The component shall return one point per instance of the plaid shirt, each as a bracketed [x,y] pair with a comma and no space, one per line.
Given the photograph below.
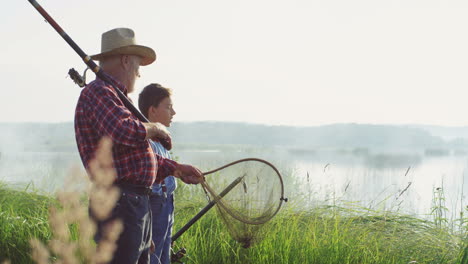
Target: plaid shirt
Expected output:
[100,112]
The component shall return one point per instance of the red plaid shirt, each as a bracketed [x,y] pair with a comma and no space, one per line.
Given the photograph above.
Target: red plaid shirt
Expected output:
[100,112]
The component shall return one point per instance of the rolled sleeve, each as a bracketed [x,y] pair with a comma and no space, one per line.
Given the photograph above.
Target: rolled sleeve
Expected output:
[166,167]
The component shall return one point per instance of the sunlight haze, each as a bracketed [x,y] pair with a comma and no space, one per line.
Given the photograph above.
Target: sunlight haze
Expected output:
[271,62]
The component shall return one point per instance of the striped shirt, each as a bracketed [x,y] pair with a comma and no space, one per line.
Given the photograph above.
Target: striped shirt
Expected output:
[99,113]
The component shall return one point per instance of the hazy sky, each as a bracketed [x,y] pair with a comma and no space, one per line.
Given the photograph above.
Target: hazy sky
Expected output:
[295,62]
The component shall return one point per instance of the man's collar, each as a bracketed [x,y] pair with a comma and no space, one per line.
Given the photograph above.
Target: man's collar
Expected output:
[116,83]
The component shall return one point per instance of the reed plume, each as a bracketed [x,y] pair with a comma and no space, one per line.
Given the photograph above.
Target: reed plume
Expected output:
[72,212]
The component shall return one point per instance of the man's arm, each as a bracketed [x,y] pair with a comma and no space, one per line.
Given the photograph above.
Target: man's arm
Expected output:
[115,120]
[187,173]
[156,130]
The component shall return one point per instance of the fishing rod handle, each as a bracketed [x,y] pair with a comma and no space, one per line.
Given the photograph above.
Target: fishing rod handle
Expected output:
[206,209]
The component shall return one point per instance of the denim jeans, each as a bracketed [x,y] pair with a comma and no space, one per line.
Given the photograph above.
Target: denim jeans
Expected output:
[134,242]
[163,219]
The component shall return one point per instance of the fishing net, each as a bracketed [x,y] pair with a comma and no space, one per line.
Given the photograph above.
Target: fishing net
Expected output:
[248,193]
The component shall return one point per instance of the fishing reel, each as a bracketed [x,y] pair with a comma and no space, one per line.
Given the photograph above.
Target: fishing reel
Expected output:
[177,256]
[80,80]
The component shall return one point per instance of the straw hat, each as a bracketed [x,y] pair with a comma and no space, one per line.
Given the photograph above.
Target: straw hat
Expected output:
[122,41]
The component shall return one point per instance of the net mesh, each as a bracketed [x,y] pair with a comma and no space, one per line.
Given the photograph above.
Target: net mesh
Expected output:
[248,193]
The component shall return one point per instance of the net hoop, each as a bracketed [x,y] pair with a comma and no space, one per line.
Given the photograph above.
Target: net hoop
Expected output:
[219,200]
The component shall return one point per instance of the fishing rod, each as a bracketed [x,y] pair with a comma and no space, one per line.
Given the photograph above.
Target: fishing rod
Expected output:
[88,61]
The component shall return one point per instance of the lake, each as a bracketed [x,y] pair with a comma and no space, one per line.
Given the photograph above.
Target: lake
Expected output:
[407,183]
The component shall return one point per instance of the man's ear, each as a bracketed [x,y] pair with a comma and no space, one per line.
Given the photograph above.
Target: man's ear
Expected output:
[124,61]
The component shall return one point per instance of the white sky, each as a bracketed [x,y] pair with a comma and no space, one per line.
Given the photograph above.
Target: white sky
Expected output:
[294,62]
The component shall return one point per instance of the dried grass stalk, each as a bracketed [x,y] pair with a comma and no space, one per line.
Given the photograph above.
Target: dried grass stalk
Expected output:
[74,211]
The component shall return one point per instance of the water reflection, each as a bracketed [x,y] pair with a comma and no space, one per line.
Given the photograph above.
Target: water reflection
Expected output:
[399,182]
[402,182]
[408,189]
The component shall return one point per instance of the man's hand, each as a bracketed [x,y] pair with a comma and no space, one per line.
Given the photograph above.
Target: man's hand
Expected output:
[156,130]
[188,174]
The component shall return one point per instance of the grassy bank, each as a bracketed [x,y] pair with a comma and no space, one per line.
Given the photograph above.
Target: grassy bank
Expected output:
[23,214]
[327,234]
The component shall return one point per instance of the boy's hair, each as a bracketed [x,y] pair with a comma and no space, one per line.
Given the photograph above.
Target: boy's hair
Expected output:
[152,95]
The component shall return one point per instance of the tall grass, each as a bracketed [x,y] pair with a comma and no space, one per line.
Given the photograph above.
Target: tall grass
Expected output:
[326,235]
[23,215]
[47,230]
[340,233]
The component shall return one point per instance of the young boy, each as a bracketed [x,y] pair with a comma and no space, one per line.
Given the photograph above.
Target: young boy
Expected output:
[156,104]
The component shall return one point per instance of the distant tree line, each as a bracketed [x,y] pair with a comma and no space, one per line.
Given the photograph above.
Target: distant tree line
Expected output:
[60,136]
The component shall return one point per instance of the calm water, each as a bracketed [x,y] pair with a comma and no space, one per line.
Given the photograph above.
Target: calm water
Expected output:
[405,183]
[46,171]
[412,189]
[401,183]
